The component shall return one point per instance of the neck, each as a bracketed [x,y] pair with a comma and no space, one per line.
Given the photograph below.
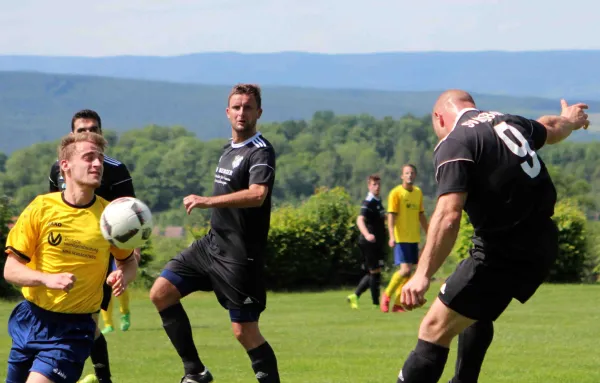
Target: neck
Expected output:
[77,195]
[242,136]
[407,186]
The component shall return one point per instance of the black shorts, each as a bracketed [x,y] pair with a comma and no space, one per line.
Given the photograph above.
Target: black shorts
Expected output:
[373,254]
[484,284]
[239,287]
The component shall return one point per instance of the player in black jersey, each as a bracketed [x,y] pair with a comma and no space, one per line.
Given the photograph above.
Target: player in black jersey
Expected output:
[116,183]
[487,164]
[229,259]
[372,242]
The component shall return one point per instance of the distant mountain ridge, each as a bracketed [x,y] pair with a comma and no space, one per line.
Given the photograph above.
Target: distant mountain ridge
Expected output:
[550,74]
[37,107]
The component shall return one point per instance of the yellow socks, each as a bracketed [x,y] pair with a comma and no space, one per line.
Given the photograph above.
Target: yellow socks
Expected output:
[397,282]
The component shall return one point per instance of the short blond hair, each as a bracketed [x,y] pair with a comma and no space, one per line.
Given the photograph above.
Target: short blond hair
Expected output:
[66,149]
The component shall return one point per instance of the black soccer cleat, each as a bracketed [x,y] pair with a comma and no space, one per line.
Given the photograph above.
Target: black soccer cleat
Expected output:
[205,377]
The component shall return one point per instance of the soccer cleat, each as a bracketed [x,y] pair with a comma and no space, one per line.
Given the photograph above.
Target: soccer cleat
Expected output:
[125,323]
[205,377]
[398,309]
[384,305]
[107,329]
[89,379]
[353,300]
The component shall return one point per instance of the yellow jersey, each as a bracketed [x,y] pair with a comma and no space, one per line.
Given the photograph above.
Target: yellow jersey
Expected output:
[407,205]
[53,236]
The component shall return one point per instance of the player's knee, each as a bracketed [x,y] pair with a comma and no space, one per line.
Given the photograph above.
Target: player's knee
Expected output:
[433,329]
[164,294]
[247,334]
[405,269]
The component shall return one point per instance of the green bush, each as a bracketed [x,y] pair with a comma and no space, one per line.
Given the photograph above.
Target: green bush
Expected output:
[312,245]
[7,290]
[573,264]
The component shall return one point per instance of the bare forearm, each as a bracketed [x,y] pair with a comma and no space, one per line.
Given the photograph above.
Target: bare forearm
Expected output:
[360,222]
[391,224]
[19,274]
[129,268]
[424,223]
[558,128]
[443,230]
[241,199]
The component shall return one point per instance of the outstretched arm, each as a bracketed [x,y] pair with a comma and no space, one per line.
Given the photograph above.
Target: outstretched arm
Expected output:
[560,127]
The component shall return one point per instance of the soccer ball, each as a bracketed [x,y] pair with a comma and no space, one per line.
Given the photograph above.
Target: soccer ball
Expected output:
[126,223]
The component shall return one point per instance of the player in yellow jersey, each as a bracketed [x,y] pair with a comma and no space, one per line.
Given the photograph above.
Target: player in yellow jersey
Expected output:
[405,215]
[57,254]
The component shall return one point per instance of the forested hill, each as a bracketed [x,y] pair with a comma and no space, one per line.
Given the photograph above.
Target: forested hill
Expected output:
[37,107]
[328,150]
[550,74]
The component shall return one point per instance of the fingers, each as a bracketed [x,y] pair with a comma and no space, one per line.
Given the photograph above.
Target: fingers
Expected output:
[563,104]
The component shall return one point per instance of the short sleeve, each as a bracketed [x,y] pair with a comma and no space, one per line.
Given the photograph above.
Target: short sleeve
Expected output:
[262,166]
[123,183]
[364,209]
[23,238]
[393,202]
[421,208]
[453,177]
[454,162]
[538,132]
[120,254]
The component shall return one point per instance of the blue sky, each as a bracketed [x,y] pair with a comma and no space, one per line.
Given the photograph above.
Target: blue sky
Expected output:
[172,27]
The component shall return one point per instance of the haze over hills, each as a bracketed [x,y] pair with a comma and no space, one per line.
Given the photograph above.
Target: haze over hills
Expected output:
[552,74]
[37,107]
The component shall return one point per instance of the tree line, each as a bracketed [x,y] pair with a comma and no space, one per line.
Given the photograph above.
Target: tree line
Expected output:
[168,163]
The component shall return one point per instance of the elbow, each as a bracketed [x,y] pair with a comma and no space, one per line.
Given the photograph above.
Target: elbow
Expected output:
[451,219]
[259,199]
[9,274]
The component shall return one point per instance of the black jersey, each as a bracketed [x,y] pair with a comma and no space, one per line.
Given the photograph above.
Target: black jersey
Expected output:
[241,233]
[116,180]
[492,156]
[373,211]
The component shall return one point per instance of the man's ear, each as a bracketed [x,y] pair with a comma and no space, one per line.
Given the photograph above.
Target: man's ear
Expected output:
[64,165]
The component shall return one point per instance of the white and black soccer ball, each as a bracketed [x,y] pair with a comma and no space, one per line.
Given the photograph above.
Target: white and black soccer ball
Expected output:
[126,223]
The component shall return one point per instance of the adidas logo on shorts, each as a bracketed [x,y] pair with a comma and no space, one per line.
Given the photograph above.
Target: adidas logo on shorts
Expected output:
[248,301]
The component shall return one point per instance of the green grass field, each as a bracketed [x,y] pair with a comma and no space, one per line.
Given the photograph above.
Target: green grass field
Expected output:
[318,339]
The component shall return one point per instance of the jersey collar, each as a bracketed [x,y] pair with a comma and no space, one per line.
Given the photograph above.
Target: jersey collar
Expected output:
[372,196]
[242,144]
[458,117]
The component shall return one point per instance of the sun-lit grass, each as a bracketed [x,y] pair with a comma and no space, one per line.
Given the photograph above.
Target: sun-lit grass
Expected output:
[318,339]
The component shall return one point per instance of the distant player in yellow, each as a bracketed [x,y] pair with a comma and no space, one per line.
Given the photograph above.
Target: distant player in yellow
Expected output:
[57,254]
[107,315]
[405,215]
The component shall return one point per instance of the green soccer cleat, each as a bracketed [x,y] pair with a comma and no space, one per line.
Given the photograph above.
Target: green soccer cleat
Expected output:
[353,300]
[89,379]
[107,329]
[125,323]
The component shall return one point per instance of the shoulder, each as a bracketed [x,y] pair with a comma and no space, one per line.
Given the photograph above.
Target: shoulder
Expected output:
[115,168]
[39,203]
[417,189]
[54,169]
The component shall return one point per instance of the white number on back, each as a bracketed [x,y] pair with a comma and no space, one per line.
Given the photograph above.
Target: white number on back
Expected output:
[520,150]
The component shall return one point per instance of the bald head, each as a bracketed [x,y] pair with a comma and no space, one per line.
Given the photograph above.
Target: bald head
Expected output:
[447,107]
[454,99]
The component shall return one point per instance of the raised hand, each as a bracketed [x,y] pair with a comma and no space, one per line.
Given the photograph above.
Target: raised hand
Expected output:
[575,114]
